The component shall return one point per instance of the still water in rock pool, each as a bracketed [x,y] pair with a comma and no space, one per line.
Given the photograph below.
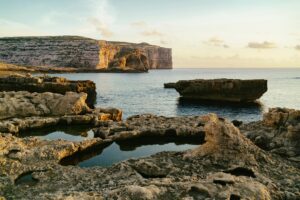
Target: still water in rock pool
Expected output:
[112,153]
[70,133]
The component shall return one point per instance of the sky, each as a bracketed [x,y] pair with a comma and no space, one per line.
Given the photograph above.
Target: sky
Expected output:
[201,33]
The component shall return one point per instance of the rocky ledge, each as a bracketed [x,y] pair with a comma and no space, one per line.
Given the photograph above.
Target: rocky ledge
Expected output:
[226,166]
[229,90]
[278,132]
[21,111]
[49,84]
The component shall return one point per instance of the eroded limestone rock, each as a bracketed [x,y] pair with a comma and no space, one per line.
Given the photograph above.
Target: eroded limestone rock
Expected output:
[49,84]
[24,111]
[25,104]
[279,132]
[231,90]
[243,171]
[148,125]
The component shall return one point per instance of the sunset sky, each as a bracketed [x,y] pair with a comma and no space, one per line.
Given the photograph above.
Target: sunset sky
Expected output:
[202,33]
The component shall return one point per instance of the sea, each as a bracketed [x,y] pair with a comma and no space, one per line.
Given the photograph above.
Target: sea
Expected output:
[145,93]
[139,93]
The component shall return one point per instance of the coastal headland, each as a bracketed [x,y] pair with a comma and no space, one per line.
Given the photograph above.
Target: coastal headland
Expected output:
[80,54]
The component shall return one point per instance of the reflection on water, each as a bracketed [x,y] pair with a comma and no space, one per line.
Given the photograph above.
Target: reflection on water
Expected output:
[116,152]
[70,133]
[26,179]
[145,93]
[242,111]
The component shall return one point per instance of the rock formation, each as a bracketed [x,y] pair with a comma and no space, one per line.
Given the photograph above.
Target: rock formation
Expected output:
[226,166]
[82,54]
[21,111]
[49,84]
[147,125]
[24,104]
[279,132]
[231,90]
[154,57]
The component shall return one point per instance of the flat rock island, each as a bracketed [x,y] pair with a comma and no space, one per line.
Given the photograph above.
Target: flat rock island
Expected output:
[226,90]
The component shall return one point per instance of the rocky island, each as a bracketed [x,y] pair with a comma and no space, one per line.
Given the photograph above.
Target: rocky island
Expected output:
[225,90]
[80,54]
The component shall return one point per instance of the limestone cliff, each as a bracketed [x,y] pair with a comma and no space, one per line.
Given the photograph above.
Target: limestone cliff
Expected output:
[83,53]
[157,57]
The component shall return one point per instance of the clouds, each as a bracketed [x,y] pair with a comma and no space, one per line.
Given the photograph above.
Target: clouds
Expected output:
[146,30]
[216,42]
[139,24]
[262,45]
[101,17]
[150,31]
[101,27]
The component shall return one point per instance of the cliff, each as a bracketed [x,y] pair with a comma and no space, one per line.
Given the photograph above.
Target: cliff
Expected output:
[81,53]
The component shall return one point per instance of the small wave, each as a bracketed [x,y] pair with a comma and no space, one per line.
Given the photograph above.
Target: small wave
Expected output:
[296,78]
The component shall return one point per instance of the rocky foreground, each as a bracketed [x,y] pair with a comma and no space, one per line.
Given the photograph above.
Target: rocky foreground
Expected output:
[226,166]
[258,160]
[226,90]
[24,111]
[80,54]
[41,84]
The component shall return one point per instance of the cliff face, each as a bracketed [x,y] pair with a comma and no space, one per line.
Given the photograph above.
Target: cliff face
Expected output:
[157,57]
[80,52]
[66,51]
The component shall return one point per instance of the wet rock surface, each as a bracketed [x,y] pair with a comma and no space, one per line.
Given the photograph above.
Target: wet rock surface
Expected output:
[226,166]
[227,90]
[42,84]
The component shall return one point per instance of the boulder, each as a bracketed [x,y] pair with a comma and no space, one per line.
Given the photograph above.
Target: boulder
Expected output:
[25,104]
[278,132]
[49,84]
[228,90]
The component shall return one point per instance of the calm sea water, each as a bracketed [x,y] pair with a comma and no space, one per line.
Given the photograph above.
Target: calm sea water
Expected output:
[144,93]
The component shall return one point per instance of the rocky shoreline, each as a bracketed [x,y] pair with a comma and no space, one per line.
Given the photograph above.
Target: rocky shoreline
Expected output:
[227,165]
[10,69]
[49,84]
[257,160]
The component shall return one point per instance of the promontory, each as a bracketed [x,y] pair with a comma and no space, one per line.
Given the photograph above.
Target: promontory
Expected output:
[80,54]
